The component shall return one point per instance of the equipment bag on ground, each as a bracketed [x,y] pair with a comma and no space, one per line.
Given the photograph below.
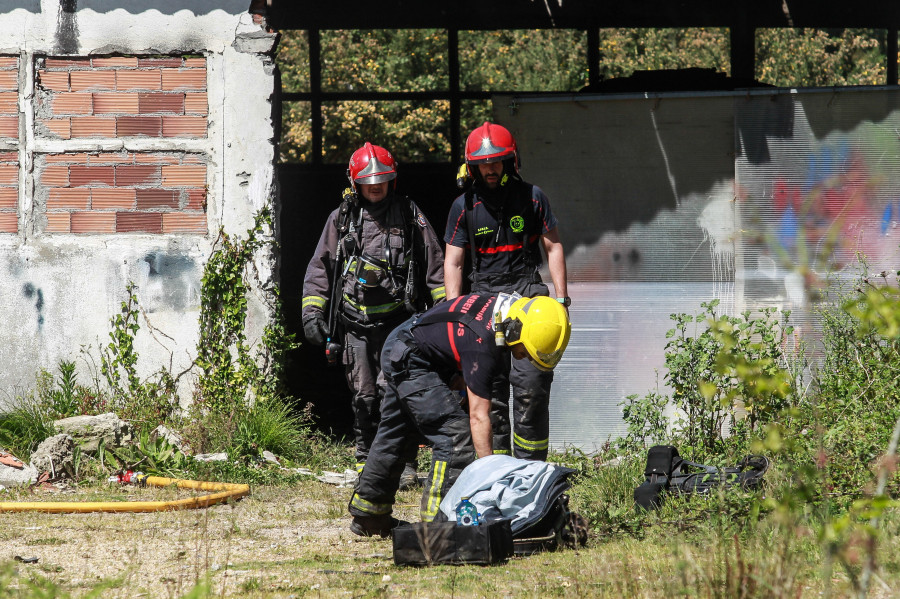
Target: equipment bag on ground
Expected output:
[666,472]
[429,543]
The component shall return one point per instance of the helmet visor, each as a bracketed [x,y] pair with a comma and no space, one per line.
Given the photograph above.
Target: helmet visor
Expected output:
[373,179]
[548,361]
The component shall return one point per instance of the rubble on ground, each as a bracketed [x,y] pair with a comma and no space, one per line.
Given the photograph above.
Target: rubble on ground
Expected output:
[89,432]
[55,455]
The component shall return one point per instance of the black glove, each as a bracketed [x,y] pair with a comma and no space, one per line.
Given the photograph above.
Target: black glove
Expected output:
[315,327]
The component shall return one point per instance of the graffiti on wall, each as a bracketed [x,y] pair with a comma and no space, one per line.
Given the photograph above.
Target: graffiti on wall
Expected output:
[822,206]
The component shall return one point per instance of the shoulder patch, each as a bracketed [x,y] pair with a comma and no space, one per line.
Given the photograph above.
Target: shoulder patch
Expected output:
[420,220]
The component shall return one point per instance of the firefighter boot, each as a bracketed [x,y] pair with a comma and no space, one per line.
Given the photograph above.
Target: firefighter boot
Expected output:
[369,526]
[410,478]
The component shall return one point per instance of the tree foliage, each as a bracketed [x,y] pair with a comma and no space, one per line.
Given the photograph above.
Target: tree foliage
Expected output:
[815,57]
[417,60]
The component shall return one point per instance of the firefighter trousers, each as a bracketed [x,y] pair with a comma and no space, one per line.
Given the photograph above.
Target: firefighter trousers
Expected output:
[362,367]
[416,402]
[530,429]
[530,438]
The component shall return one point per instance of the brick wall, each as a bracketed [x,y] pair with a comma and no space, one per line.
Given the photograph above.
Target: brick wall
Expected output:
[79,98]
[109,192]
[9,135]
[9,191]
[121,96]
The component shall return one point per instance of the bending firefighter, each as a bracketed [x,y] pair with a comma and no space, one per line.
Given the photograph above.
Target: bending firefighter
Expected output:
[501,222]
[378,260]
[454,346]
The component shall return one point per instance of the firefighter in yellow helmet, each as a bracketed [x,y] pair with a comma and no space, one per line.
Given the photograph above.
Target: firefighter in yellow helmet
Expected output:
[454,346]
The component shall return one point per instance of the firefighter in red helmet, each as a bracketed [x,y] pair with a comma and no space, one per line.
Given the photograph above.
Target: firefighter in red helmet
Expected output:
[501,222]
[378,260]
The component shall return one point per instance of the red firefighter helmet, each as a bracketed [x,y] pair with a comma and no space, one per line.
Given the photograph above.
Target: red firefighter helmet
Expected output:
[371,164]
[491,143]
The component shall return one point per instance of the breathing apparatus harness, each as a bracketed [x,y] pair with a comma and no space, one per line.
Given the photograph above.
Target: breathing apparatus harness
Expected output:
[523,193]
[349,256]
[467,310]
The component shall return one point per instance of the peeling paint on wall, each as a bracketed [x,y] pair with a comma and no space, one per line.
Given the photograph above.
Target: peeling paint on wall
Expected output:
[169,282]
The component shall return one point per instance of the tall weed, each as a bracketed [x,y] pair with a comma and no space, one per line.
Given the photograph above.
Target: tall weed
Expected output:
[24,426]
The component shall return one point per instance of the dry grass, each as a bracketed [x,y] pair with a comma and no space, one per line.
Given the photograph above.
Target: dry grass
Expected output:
[294,542]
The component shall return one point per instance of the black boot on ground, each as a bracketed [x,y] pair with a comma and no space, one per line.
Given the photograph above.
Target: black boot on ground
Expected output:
[410,478]
[370,526]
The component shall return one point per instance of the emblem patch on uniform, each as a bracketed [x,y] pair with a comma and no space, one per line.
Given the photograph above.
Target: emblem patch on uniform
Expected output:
[420,219]
[517,224]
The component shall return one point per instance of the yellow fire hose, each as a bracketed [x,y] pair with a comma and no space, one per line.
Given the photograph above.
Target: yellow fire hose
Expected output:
[224,491]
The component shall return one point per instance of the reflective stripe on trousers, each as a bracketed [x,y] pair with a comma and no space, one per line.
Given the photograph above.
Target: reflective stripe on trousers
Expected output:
[415,399]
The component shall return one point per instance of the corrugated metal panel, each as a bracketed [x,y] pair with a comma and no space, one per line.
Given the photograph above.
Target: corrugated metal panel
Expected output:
[618,332]
[671,200]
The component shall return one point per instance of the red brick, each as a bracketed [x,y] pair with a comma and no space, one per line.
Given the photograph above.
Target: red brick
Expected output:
[9,174]
[128,80]
[82,80]
[9,102]
[162,102]
[111,158]
[9,156]
[181,222]
[127,176]
[68,197]
[9,222]
[196,103]
[112,197]
[183,176]
[55,176]
[168,61]
[58,127]
[55,81]
[91,175]
[9,126]
[93,126]
[9,80]
[150,126]
[58,222]
[72,103]
[115,62]
[9,197]
[157,198]
[115,103]
[195,63]
[77,158]
[57,63]
[93,222]
[143,222]
[156,159]
[184,126]
[183,79]
[8,61]
[196,199]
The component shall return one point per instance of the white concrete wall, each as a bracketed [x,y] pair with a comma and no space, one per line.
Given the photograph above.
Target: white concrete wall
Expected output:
[59,291]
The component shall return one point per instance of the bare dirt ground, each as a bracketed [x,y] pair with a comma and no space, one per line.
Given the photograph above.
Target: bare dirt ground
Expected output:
[277,540]
[280,542]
